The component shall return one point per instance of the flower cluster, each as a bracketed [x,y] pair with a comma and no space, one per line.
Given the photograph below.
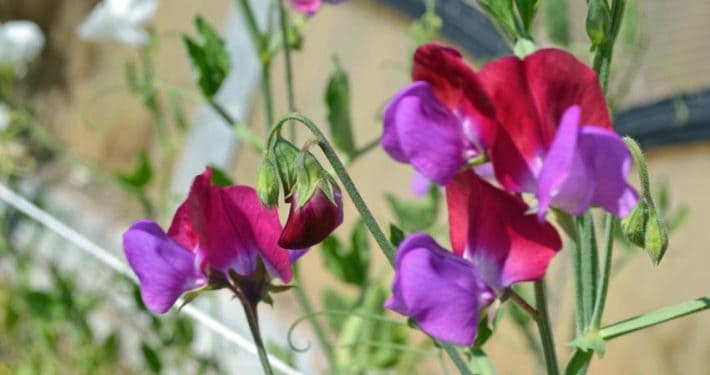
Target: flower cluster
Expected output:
[543,124]
[219,237]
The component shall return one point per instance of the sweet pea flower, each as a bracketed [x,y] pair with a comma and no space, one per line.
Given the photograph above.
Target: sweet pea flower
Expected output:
[310,7]
[216,232]
[495,245]
[311,223]
[20,43]
[443,119]
[119,20]
[556,138]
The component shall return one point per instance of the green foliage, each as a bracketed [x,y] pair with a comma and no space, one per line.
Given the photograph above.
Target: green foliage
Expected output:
[337,101]
[267,183]
[396,235]
[425,28]
[502,12]
[526,11]
[140,176]
[598,21]
[209,57]
[556,15]
[349,264]
[416,216]
[220,177]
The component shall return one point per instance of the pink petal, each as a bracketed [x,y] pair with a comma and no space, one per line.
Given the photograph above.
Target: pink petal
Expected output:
[492,229]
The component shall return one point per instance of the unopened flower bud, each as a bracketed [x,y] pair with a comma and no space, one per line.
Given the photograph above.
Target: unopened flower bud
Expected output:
[634,226]
[598,21]
[656,239]
[267,183]
[316,207]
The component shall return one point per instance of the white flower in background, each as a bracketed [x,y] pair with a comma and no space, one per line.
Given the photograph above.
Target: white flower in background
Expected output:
[20,43]
[5,116]
[119,20]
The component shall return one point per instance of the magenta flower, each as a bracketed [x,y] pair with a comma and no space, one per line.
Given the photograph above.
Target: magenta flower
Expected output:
[311,223]
[555,138]
[496,244]
[442,120]
[512,112]
[310,7]
[215,231]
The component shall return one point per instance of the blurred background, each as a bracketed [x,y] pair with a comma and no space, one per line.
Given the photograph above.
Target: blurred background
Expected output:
[79,145]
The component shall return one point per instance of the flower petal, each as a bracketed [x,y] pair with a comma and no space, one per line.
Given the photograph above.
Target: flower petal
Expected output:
[308,7]
[519,144]
[234,228]
[566,181]
[181,228]
[164,268]
[443,293]
[419,130]
[310,224]
[557,81]
[456,85]
[611,159]
[492,229]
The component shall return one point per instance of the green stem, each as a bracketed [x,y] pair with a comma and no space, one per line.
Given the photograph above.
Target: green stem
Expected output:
[654,317]
[589,265]
[603,288]
[253,319]
[456,359]
[289,66]
[257,38]
[242,131]
[380,237]
[345,179]
[266,93]
[317,328]
[543,324]
[605,50]
[576,250]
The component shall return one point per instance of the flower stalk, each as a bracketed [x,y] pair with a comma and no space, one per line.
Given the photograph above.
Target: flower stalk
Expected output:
[543,324]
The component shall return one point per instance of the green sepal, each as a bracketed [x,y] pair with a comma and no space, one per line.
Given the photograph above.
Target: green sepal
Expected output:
[308,177]
[284,155]
[591,340]
[267,183]
[190,295]
[598,21]
[634,226]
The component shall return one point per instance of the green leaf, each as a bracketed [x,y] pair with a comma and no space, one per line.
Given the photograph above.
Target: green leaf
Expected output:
[220,177]
[139,177]
[396,235]
[556,19]
[151,358]
[349,265]
[527,10]
[425,28]
[337,100]
[209,57]
[654,317]
[502,12]
[481,364]
[335,300]
[184,332]
[416,216]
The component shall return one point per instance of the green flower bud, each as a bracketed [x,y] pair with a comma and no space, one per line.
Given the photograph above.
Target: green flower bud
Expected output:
[634,226]
[656,238]
[284,155]
[598,21]
[267,183]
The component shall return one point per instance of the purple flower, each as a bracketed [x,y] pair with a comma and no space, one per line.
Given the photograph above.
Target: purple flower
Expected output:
[217,230]
[442,119]
[311,223]
[556,139]
[496,244]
